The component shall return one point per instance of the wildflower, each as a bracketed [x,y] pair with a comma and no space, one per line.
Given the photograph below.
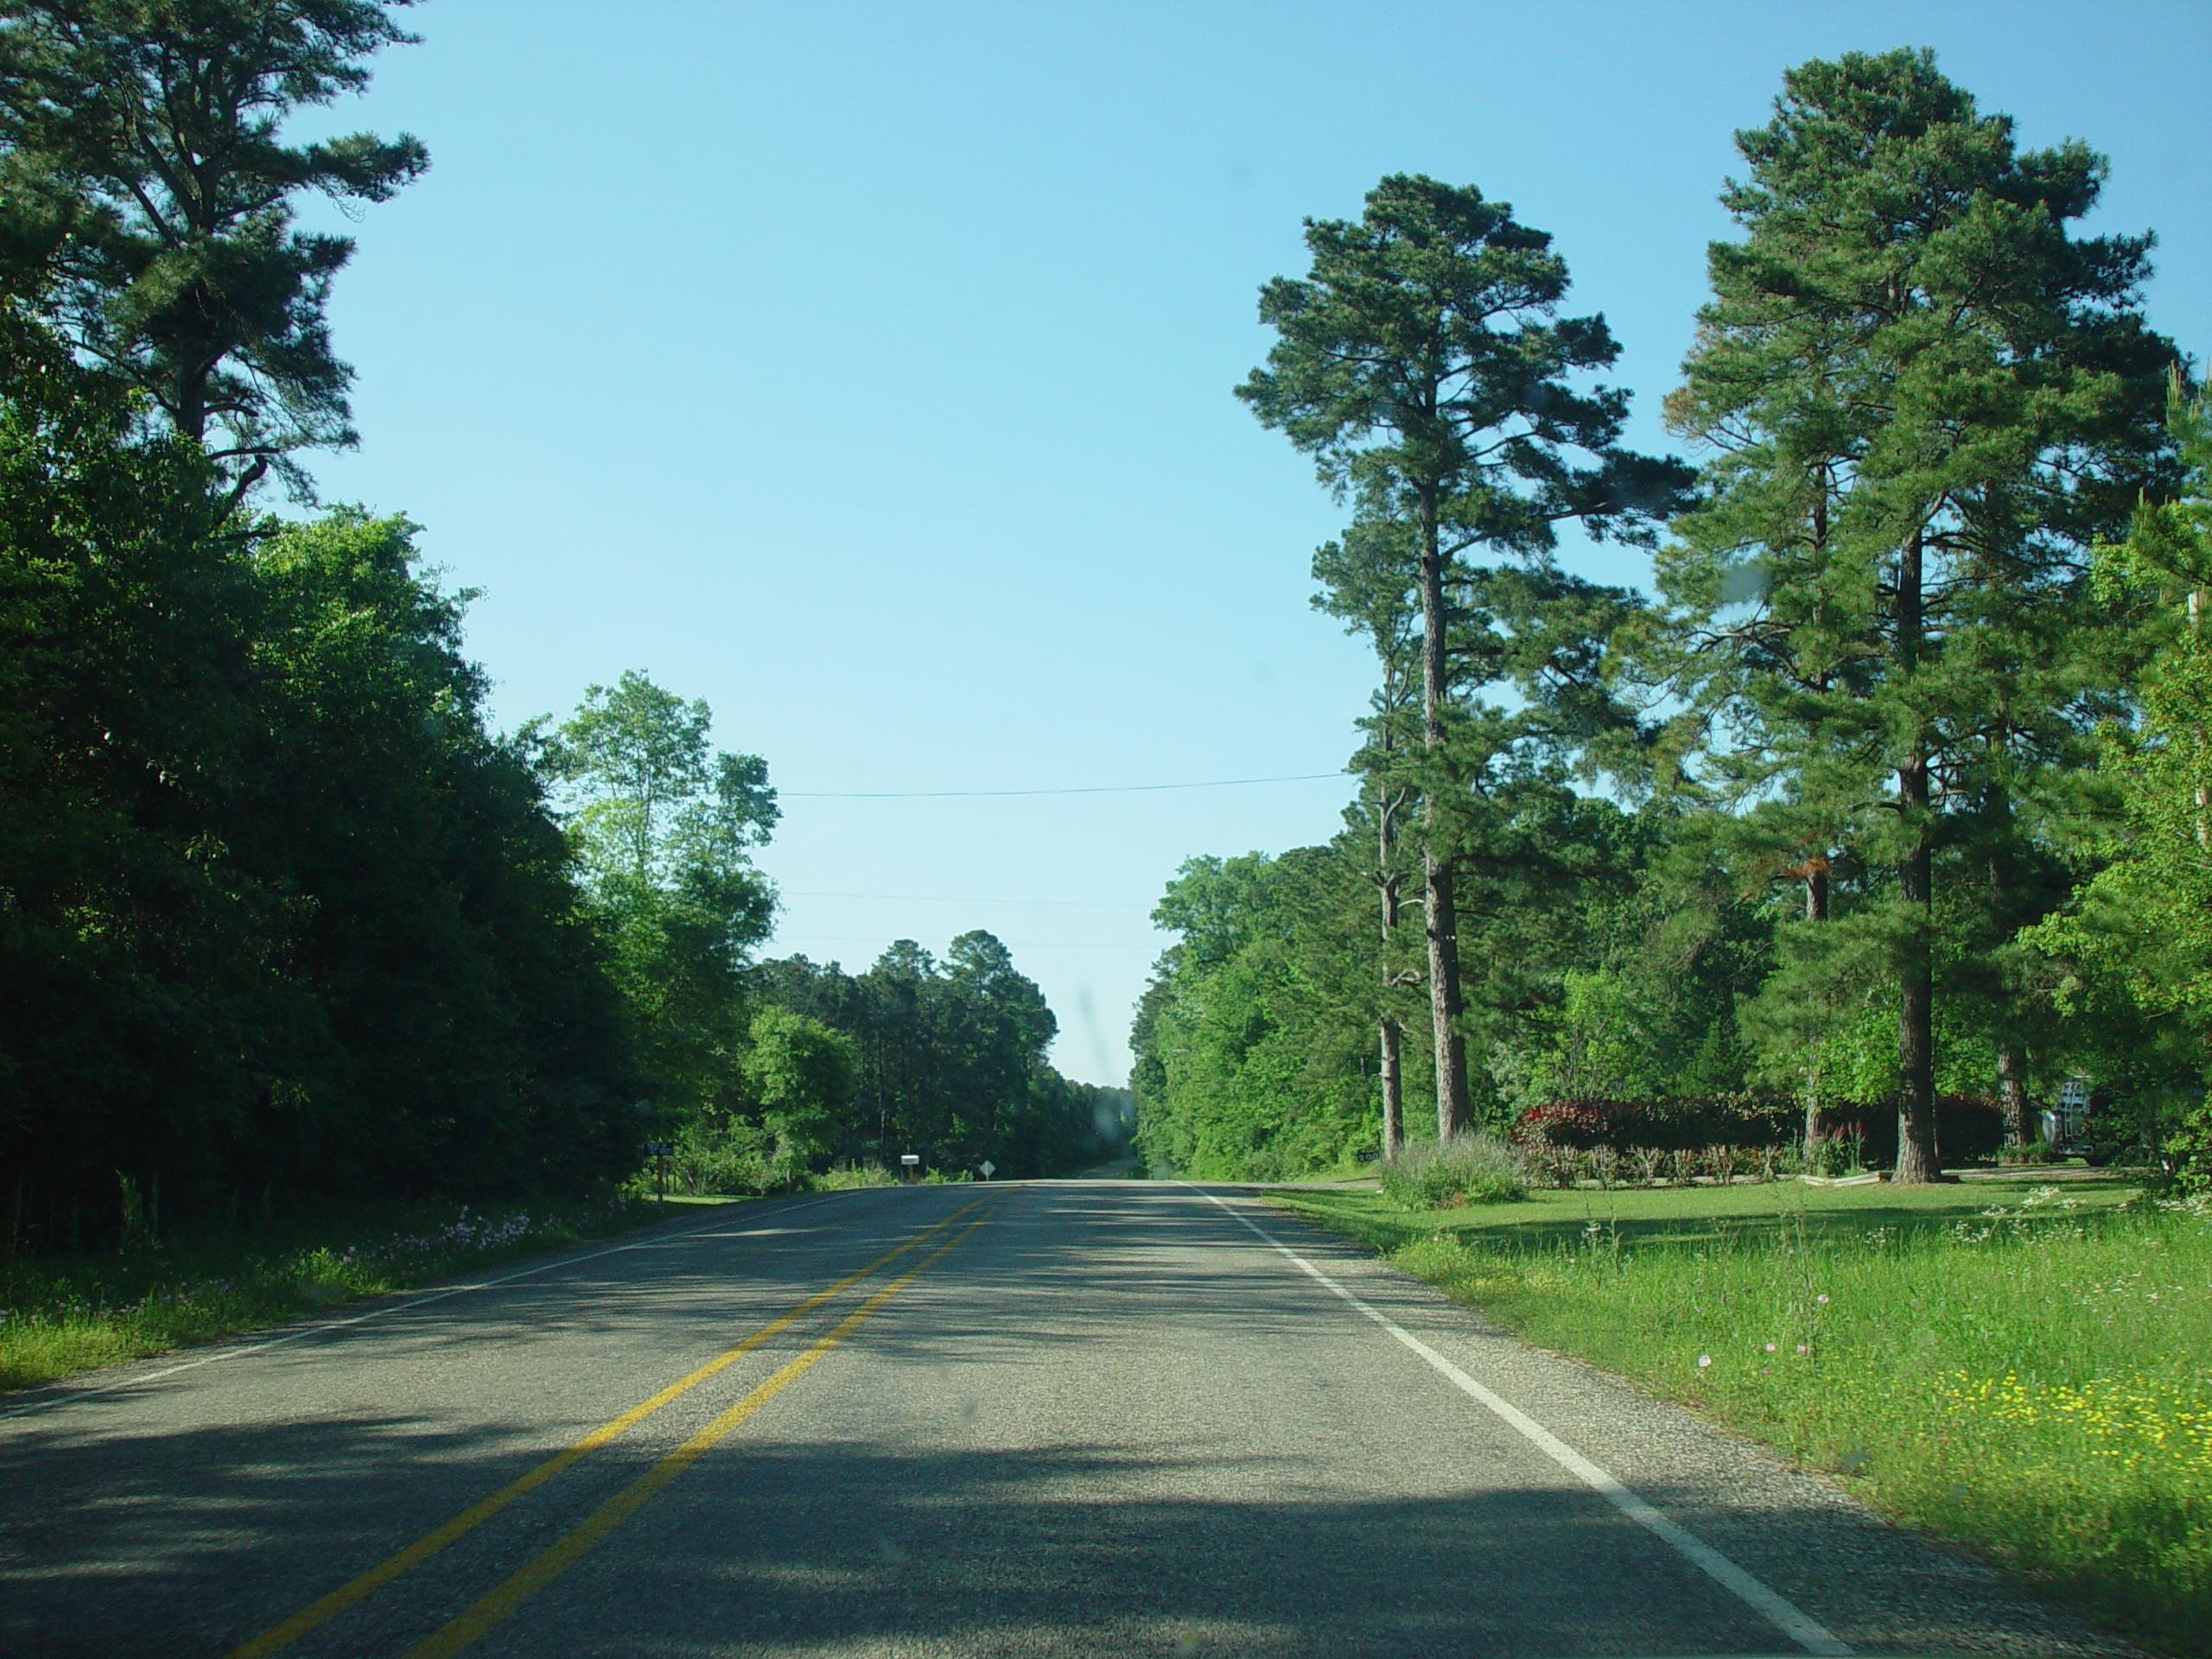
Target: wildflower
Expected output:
[1822,1297]
[1800,1347]
[1704,1360]
[1769,1347]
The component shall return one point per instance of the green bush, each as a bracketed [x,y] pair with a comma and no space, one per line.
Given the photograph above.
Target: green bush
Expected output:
[1469,1169]
[845,1178]
[715,1154]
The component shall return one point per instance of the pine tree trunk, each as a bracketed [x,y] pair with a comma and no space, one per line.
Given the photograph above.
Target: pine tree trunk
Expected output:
[2012,1092]
[2203,794]
[1442,927]
[1817,910]
[1393,1103]
[1442,921]
[1393,1096]
[1917,1154]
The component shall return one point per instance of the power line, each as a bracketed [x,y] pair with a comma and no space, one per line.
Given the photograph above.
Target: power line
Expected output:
[1002,794]
[941,899]
[801,939]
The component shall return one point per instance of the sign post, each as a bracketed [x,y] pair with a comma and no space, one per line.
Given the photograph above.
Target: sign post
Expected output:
[912,1164]
[660,1152]
[989,1169]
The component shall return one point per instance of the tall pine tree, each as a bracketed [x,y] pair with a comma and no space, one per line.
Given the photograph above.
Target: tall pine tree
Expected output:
[1423,363]
[1923,398]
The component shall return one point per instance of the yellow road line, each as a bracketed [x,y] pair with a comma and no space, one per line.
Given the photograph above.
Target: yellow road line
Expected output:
[430,1543]
[569,1549]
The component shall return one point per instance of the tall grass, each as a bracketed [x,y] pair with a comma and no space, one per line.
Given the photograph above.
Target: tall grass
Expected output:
[1473,1168]
[60,1314]
[2034,1381]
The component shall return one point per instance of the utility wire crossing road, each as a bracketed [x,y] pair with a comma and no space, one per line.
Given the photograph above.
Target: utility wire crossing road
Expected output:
[1094,1418]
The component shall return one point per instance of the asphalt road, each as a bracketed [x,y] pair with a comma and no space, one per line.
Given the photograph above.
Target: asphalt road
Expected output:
[1081,1418]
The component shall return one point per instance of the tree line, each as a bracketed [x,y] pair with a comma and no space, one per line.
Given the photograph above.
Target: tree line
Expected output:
[768,1072]
[1894,785]
[282,917]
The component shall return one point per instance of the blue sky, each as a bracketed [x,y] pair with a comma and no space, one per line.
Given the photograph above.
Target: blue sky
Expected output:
[866,369]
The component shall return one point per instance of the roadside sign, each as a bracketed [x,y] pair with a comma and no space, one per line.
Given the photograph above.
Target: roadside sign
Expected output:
[989,1169]
[2071,1120]
[912,1163]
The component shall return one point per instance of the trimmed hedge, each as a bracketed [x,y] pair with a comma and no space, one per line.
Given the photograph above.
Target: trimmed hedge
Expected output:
[1969,1127]
[1767,1119]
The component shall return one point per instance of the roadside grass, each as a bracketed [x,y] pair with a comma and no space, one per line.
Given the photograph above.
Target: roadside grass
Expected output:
[2023,1369]
[60,1314]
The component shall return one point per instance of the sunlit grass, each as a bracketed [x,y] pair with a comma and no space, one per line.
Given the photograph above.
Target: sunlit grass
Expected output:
[60,1315]
[2028,1371]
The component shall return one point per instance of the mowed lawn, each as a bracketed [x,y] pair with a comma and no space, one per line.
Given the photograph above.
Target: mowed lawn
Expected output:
[2022,1365]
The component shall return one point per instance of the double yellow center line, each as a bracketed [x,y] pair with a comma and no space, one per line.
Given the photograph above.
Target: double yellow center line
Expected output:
[572,1546]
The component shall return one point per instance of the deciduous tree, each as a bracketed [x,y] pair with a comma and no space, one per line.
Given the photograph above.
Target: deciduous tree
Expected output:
[664,825]
[2144,921]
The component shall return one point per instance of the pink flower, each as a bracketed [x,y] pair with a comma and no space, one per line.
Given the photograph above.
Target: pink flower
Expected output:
[1800,1347]
[1769,1347]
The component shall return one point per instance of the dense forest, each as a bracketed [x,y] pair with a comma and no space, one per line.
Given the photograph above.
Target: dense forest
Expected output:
[280,916]
[1883,809]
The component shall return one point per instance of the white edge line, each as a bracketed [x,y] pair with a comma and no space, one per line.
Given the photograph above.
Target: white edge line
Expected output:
[233,1352]
[1808,1632]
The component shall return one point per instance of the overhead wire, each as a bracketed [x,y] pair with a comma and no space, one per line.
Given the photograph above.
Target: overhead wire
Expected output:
[1003,794]
[948,899]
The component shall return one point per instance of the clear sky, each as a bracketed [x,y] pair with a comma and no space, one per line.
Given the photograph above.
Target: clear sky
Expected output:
[866,369]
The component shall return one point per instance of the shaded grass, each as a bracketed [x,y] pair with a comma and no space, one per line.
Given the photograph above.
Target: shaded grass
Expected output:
[61,1314]
[1687,1215]
[2025,1370]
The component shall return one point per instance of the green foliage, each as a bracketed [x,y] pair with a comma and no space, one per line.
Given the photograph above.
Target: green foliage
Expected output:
[2143,926]
[64,1312]
[654,802]
[277,912]
[1874,701]
[443,923]
[1422,364]
[149,201]
[259,842]
[1583,958]
[1595,1046]
[804,1074]
[664,825]
[1456,1174]
[1254,1061]
[1922,399]
[948,1063]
